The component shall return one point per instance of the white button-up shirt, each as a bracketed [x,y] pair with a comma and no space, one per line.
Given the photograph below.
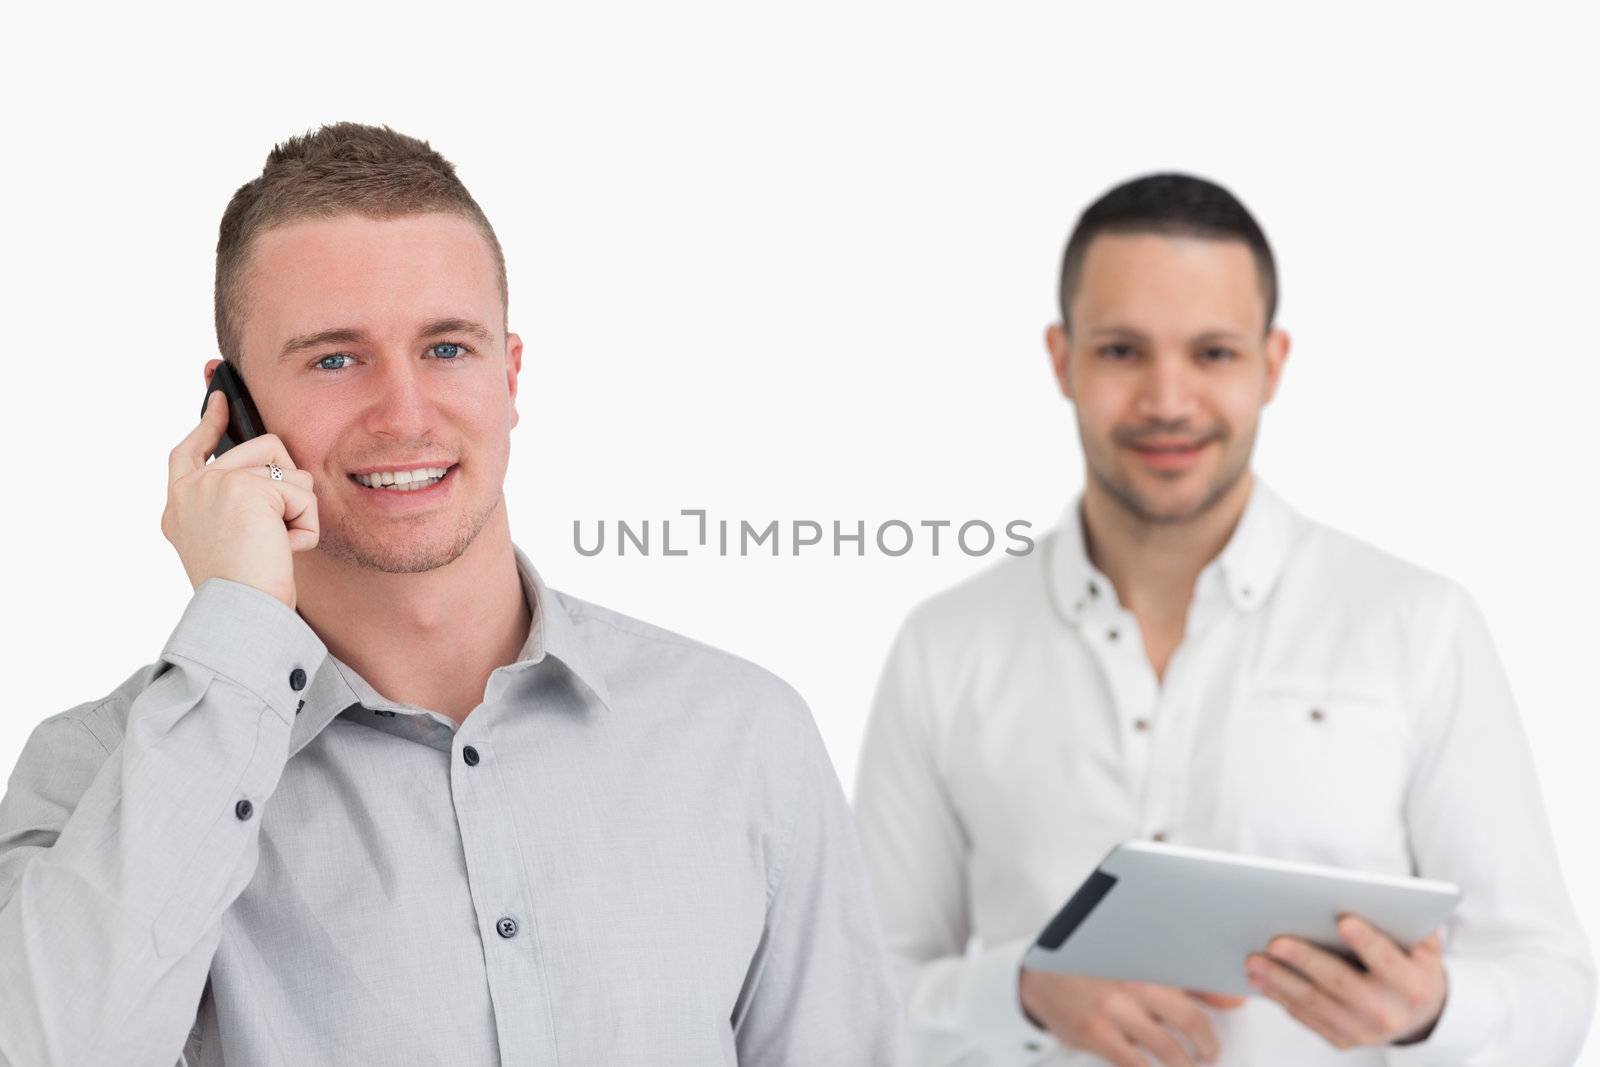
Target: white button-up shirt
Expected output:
[1328,703]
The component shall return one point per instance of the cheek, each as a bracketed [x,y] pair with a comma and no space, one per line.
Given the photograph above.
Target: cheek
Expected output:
[1237,403]
[309,451]
[1104,400]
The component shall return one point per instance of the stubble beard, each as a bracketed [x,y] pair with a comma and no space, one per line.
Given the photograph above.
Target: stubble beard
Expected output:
[1128,497]
[385,547]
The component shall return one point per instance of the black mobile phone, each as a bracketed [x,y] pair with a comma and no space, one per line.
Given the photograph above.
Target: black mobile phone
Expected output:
[244,421]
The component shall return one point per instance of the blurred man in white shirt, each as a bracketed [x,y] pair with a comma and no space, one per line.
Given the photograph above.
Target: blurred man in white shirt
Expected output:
[1188,659]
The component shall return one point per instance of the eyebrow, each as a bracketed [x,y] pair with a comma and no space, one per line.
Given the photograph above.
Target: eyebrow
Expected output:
[1129,331]
[350,335]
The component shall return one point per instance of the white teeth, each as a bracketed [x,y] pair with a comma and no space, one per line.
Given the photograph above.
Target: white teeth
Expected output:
[407,487]
[419,479]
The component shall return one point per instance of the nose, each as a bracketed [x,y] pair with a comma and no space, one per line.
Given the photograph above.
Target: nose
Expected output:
[401,404]
[1167,388]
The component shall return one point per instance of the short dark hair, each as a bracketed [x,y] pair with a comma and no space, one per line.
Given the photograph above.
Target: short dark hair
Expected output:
[342,167]
[1173,204]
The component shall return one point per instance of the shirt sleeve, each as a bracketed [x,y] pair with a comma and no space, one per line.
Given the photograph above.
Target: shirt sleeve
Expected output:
[819,989]
[1520,978]
[961,1000]
[118,860]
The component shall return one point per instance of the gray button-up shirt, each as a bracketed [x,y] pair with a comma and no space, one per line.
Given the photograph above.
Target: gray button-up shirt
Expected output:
[634,851]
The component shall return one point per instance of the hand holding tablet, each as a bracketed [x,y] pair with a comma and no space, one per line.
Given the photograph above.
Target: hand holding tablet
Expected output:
[1154,915]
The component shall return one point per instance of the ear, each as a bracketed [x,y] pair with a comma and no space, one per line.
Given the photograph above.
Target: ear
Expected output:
[1060,346]
[513,368]
[210,369]
[1277,352]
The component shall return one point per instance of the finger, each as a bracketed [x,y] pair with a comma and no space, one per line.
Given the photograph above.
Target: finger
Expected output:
[1385,960]
[1432,945]
[1338,1039]
[192,452]
[1106,1040]
[291,475]
[1175,1008]
[256,452]
[296,502]
[1335,977]
[1218,1000]
[299,514]
[1303,1000]
[1117,1050]
[1138,1024]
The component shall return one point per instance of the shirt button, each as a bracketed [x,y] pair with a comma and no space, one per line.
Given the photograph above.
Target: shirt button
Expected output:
[1112,635]
[1141,725]
[1094,589]
[297,679]
[1159,835]
[506,927]
[243,809]
[470,754]
[1317,715]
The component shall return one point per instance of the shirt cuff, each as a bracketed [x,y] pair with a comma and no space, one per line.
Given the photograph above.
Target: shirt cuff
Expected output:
[1474,1012]
[996,1007]
[251,638]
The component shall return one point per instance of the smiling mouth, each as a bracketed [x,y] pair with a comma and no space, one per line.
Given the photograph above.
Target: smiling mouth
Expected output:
[1170,450]
[413,486]
[1170,459]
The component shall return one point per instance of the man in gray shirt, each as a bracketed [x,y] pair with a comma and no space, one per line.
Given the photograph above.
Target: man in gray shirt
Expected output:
[385,798]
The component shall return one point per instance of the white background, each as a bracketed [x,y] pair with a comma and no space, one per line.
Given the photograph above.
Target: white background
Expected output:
[797,264]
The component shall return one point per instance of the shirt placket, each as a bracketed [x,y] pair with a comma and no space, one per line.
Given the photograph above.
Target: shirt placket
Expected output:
[1112,634]
[1166,781]
[513,961]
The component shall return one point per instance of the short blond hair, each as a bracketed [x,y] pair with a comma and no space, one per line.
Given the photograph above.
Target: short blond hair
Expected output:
[345,167]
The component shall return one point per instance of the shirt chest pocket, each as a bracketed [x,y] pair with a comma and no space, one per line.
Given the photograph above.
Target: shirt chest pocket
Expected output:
[1317,772]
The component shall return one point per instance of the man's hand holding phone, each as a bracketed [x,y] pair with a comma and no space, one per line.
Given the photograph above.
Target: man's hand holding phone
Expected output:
[230,518]
[1125,1023]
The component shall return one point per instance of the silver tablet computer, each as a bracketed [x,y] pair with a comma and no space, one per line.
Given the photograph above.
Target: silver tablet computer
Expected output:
[1188,917]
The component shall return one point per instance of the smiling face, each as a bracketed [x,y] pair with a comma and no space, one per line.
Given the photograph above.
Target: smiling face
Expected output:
[375,344]
[1168,364]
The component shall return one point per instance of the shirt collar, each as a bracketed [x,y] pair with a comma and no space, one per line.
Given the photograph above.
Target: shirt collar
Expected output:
[1249,564]
[337,689]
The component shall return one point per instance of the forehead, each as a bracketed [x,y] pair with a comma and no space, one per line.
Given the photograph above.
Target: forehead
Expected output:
[371,273]
[1159,281]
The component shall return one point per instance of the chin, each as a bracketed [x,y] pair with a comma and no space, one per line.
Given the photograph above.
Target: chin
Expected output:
[1166,500]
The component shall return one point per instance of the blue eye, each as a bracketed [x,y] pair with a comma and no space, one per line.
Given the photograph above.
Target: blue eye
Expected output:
[444,352]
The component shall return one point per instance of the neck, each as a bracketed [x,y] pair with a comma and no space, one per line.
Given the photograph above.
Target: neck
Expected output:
[399,630]
[1154,566]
